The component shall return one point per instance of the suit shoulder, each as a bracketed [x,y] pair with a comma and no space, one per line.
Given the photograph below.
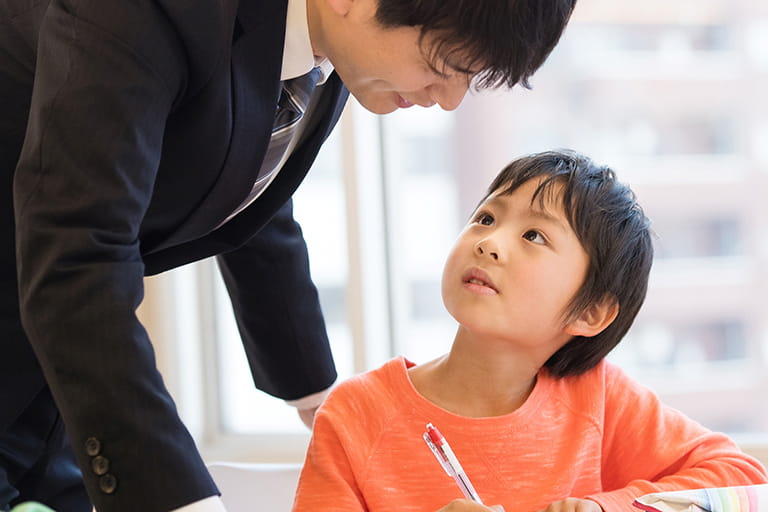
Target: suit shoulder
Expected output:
[204,27]
[172,35]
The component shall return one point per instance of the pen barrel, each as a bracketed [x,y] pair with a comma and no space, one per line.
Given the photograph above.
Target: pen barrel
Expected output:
[460,476]
[466,487]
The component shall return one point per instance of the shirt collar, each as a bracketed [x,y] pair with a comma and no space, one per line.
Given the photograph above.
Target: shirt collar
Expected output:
[298,58]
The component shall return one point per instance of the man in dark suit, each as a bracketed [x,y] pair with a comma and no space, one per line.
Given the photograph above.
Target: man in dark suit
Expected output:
[137,136]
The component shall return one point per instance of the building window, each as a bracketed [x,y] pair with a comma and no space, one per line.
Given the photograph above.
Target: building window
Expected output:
[671,98]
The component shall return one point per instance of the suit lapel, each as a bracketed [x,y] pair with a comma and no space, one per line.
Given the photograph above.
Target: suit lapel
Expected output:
[255,80]
[241,228]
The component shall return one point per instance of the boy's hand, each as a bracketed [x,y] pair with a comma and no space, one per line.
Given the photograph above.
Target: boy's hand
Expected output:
[573,505]
[469,506]
[307,416]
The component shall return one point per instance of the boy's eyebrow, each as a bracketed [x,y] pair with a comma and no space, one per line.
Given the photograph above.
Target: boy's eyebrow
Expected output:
[533,211]
[547,217]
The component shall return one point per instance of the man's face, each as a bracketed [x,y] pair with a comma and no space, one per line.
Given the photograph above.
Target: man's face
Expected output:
[386,68]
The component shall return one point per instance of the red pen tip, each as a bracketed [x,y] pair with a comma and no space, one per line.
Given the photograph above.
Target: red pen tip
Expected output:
[434,435]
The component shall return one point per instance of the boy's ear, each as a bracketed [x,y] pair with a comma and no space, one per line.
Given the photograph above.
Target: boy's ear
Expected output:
[595,318]
[340,7]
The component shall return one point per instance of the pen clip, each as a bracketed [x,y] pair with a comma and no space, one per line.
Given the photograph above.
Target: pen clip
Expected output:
[439,455]
[447,459]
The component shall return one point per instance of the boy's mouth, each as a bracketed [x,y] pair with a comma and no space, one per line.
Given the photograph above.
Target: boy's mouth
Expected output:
[477,277]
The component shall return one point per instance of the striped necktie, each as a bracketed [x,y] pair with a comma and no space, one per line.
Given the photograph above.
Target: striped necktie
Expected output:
[291,108]
[293,103]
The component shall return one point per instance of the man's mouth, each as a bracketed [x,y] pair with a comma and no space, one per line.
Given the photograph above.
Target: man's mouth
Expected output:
[403,103]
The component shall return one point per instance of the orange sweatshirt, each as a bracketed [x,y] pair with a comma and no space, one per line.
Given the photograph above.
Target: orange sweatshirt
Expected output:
[600,435]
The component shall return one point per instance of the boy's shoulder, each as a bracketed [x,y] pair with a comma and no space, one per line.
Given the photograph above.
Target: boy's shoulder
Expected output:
[605,385]
[374,388]
[602,373]
[591,390]
[362,408]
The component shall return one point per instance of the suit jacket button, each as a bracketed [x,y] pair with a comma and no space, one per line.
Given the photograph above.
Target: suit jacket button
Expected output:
[108,483]
[92,446]
[100,465]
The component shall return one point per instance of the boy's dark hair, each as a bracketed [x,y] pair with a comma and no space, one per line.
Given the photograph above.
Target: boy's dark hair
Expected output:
[614,232]
[507,40]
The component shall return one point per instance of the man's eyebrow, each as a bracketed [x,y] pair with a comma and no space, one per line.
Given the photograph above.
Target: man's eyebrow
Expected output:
[440,64]
[459,68]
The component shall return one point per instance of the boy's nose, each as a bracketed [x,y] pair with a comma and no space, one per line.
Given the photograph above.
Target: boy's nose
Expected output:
[487,248]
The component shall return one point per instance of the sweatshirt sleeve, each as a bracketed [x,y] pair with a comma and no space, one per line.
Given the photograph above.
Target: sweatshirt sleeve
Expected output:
[649,447]
[328,480]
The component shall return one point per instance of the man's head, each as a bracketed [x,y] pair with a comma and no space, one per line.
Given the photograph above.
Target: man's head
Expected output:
[396,53]
[612,229]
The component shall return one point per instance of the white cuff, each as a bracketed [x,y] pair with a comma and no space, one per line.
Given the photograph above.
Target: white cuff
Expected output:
[210,504]
[311,401]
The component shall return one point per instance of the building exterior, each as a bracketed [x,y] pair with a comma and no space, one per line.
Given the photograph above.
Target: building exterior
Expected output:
[672,96]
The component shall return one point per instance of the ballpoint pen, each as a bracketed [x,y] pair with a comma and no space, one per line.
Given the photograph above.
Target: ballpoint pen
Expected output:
[449,462]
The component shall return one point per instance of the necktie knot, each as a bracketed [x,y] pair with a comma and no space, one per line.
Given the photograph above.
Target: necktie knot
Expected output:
[294,99]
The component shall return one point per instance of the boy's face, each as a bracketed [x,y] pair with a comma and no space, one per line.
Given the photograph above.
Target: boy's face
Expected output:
[514,270]
[385,68]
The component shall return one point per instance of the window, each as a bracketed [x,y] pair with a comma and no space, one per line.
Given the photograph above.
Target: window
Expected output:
[671,96]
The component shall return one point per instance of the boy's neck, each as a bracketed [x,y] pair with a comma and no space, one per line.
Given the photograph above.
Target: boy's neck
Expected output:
[474,384]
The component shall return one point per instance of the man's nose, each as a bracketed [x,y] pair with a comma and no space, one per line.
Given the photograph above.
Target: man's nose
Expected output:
[449,94]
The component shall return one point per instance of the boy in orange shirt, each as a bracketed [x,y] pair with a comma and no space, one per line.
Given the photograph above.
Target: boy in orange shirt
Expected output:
[544,281]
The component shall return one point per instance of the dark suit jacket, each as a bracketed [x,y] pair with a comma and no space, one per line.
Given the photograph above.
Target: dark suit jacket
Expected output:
[146,128]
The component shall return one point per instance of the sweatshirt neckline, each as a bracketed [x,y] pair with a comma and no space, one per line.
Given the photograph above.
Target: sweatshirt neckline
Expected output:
[398,374]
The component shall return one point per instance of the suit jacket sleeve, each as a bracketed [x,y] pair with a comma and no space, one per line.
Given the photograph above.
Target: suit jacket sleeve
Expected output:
[107,75]
[277,310]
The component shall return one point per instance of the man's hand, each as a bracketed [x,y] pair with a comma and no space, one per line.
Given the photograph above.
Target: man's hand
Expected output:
[308,416]
[573,505]
[469,506]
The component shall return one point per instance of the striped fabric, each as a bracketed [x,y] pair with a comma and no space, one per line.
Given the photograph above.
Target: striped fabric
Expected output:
[749,498]
[294,99]
[290,110]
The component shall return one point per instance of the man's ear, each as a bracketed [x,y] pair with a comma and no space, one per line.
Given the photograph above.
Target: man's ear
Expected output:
[593,320]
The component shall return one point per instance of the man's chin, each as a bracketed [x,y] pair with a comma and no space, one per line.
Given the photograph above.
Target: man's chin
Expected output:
[383,104]
[379,108]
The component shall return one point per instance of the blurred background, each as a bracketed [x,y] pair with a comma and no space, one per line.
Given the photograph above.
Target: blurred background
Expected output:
[671,95]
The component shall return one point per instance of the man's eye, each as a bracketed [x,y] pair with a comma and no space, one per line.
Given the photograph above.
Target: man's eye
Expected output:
[534,236]
[442,75]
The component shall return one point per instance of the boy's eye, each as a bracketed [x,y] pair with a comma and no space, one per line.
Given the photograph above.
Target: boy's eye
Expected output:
[534,236]
[484,219]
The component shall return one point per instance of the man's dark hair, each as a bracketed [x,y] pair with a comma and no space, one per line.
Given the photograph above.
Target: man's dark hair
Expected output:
[614,232]
[505,40]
